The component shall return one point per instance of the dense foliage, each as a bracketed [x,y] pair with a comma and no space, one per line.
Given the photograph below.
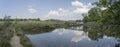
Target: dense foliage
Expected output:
[109,16]
[5,32]
[101,22]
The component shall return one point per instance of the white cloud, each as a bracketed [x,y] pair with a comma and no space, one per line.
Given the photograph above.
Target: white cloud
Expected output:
[60,13]
[70,14]
[32,10]
[81,8]
[52,13]
[77,4]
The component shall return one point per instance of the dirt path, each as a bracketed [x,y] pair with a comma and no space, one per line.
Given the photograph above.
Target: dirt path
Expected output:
[15,41]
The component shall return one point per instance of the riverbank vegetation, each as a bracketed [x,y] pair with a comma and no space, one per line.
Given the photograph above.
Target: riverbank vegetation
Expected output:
[23,39]
[5,33]
[104,19]
[106,12]
[28,26]
[35,25]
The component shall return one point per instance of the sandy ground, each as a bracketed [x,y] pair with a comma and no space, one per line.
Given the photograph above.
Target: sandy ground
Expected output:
[15,41]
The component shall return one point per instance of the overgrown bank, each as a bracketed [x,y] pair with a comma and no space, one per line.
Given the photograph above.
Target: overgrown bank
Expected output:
[23,39]
[27,27]
[5,36]
[39,26]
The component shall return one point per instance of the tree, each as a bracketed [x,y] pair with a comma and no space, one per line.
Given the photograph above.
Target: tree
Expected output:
[94,15]
[7,21]
[110,15]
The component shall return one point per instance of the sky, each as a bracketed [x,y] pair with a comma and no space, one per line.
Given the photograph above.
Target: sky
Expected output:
[45,9]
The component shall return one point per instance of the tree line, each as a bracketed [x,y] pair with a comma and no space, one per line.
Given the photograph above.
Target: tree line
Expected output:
[19,19]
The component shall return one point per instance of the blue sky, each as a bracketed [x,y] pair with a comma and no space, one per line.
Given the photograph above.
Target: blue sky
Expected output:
[45,9]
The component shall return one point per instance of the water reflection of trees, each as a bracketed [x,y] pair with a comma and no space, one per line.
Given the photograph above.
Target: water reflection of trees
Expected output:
[98,32]
[39,30]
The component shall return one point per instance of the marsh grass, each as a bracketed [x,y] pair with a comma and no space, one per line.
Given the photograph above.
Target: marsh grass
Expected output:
[39,25]
[23,27]
[5,36]
[23,39]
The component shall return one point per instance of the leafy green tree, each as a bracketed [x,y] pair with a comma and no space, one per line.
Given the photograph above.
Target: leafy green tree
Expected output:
[108,16]
[94,15]
[111,15]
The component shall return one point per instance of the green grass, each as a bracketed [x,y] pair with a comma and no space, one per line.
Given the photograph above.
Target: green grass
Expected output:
[23,27]
[1,25]
[36,26]
[39,25]
[23,39]
[5,36]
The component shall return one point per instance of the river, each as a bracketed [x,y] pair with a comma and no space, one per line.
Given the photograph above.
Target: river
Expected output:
[62,37]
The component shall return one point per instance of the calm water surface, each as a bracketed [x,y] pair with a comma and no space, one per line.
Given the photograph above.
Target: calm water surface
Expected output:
[70,38]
